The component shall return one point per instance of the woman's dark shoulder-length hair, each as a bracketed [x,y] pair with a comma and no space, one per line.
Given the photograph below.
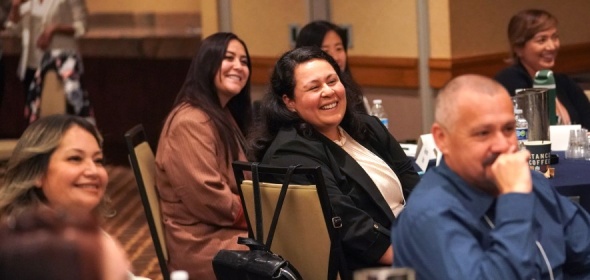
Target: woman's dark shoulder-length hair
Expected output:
[274,113]
[313,33]
[199,88]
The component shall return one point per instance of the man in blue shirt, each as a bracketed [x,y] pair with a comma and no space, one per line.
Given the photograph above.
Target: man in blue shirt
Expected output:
[482,214]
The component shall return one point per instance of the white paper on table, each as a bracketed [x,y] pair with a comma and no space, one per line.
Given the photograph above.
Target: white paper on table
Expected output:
[426,151]
[409,149]
[560,135]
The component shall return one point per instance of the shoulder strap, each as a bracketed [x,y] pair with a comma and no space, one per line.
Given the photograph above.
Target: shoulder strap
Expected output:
[337,260]
[257,206]
[281,199]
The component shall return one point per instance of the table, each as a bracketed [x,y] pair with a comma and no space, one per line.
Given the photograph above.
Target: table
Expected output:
[572,178]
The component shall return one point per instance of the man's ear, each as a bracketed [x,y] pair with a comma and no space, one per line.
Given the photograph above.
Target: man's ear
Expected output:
[439,134]
[289,103]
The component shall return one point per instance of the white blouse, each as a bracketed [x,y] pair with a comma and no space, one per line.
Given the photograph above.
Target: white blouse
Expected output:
[384,178]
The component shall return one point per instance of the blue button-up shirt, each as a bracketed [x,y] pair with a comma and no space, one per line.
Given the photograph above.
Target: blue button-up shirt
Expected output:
[450,230]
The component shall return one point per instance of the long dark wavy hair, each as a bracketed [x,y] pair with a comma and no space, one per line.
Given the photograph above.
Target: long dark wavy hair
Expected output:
[274,113]
[313,33]
[199,89]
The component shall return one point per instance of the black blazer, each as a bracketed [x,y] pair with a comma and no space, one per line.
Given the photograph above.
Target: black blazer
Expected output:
[366,216]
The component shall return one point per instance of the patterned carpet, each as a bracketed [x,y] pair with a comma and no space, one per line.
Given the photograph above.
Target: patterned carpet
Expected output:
[128,225]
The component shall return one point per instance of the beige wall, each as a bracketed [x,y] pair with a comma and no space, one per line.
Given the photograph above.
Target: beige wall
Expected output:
[384,28]
[209,18]
[379,27]
[440,30]
[387,28]
[479,26]
[140,6]
[264,24]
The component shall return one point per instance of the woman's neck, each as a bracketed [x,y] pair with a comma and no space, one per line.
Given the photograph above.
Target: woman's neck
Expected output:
[529,70]
[332,134]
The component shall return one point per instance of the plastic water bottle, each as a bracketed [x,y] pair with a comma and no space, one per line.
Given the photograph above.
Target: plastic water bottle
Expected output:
[179,275]
[378,111]
[522,128]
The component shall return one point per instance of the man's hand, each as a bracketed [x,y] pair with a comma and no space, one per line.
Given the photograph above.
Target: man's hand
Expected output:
[511,172]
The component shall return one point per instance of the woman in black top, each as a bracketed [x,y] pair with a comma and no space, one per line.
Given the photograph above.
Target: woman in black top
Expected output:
[534,43]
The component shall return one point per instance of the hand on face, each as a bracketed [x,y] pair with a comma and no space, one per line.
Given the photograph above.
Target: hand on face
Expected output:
[511,173]
[479,143]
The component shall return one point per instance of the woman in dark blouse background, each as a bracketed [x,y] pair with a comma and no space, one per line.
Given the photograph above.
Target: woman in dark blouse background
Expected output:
[534,43]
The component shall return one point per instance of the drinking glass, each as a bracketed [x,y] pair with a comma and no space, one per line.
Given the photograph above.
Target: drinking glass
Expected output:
[577,144]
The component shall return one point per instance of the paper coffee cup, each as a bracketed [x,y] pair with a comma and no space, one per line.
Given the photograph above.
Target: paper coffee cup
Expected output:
[540,154]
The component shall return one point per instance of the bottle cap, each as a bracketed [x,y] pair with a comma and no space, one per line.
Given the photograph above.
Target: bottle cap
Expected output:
[377,101]
[179,275]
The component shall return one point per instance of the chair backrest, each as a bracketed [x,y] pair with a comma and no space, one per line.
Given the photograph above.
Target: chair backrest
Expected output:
[53,98]
[304,232]
[143,164]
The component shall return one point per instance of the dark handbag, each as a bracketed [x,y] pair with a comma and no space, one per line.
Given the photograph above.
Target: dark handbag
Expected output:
[259,262]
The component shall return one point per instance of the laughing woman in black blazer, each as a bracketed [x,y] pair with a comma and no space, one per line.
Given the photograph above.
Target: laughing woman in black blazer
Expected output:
[307,120]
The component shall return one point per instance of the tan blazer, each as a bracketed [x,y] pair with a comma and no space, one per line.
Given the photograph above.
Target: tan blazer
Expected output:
[201,208]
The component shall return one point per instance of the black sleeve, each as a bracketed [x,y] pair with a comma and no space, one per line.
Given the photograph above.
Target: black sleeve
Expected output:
[362,237]
[578,99]
[513,78]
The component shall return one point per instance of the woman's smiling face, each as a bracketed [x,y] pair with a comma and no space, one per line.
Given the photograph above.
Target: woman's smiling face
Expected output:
[539,53]
[75,179]
[233,73]
[319,96]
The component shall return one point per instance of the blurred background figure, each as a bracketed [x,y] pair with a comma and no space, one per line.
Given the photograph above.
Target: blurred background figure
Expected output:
[333,40]
[203,134]
[48,29]
[51,245]
[4,10]
[534,45]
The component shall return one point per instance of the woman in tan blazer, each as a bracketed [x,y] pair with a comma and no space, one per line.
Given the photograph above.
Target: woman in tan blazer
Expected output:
[202,136]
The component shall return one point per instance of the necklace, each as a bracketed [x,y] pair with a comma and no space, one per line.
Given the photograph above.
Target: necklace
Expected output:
[341,138]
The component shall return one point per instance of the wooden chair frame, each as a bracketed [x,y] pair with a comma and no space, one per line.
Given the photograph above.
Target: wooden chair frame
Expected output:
[136,140]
